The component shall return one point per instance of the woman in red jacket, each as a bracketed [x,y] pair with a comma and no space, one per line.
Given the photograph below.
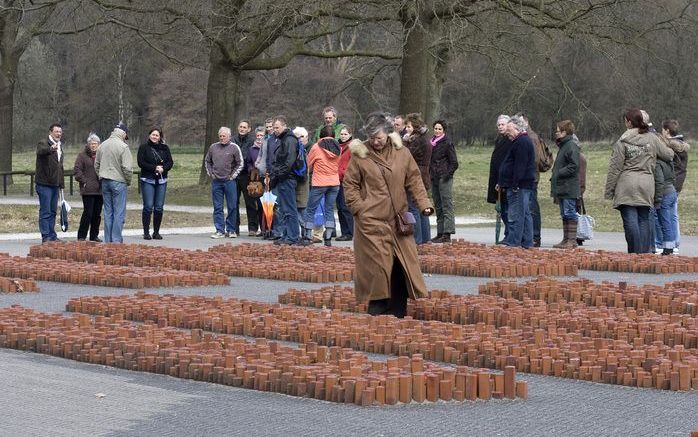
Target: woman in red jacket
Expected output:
[323,163]
[346,220]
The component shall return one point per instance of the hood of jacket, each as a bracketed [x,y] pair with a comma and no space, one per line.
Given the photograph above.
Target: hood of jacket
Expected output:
[329,146]
[677,144]
[360,149]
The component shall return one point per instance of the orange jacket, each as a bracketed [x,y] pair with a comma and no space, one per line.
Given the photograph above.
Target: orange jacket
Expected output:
[323,162]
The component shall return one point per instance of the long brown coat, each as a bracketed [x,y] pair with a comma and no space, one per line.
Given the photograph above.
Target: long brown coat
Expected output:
[376,244]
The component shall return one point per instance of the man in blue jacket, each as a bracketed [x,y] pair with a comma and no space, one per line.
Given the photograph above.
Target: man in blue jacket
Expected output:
[517,175]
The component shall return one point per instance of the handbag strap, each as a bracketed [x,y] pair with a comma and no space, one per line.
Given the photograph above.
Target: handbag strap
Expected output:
[584,210]
[380,168]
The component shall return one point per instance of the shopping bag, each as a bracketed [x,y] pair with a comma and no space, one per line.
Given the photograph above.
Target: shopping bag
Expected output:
[585,225]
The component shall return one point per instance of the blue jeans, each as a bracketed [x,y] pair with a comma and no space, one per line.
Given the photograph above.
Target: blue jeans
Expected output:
[665,221]
[316,194]
[636,224]
[48,205]
[114,194]
[153,196]
[519,216]
[346,220]
[221,189]
[288,214]
[675,221]
[535,214]
[422,227]
[568,209]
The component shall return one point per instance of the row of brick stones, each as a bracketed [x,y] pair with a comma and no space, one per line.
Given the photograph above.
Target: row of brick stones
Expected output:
[332,374]
[74,272]
[616,345]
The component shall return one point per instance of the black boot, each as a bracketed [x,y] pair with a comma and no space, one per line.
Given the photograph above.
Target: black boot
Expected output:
[146,225]
[307,239]
[327,236]
[157,220]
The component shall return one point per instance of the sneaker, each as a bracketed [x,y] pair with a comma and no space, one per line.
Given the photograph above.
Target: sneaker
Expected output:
[217,235]
[252,234]
[231,235]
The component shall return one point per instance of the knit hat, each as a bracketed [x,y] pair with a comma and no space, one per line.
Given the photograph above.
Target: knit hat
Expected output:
[122,126]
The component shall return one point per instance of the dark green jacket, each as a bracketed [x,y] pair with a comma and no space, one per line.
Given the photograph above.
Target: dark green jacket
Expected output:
[564,183]
[663,180]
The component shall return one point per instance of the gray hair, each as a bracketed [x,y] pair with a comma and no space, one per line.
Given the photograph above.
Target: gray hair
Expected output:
[93,138]
[518,122]
[378,122]
[503,117]
[329,109]
[646,117]
[300,131]
[260,129]
[225,129]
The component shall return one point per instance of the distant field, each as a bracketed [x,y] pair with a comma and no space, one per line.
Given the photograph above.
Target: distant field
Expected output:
[469,188]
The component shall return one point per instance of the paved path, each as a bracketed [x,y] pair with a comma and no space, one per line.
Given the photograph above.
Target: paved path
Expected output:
[43,395]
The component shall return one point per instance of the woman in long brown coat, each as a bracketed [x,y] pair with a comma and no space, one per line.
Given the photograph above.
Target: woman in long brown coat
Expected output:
[380,174]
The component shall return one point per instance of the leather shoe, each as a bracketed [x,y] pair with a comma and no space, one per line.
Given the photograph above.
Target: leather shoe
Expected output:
[344,237]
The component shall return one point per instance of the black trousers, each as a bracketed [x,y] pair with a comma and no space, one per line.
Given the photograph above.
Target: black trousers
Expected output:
[91,216]
[396,304]
[251,204]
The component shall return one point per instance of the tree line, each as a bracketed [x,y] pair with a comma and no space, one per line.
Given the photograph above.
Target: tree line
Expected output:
[193,66]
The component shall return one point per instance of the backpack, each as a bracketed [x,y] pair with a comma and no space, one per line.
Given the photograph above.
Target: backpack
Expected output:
[546,160]
[300,166]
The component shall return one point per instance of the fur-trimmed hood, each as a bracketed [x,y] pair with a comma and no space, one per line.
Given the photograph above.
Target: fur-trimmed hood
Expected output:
[359,148]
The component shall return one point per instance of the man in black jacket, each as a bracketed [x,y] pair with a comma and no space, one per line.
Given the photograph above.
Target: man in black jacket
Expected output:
[283,179]
[49,180]
[517,176]
[245,139]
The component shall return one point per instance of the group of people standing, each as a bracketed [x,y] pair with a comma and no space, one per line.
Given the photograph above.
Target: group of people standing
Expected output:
[646,172]
[104,172]
[307,175]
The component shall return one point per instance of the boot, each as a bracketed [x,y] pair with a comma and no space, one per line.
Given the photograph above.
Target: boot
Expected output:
[561,244]
[307,239]
[145,218]
[327,236]
[571,242]
[445,238]
[157,220]
[437,239]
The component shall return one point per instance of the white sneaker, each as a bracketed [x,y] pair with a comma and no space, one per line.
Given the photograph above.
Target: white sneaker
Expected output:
[231,235]
[217,235]
[676,251]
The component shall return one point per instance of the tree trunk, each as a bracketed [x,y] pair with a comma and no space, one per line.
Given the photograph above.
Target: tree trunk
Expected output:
[225,101]
[6,113]
[423,71]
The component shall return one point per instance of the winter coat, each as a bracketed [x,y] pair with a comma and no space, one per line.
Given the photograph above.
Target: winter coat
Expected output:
[244,142]
[223,161]
[344,158]
[114,160]
[444,161]
[284,153]
[336,127]
[564,182]
[518,169]
[49,169]
[544,157]
[323,162]
[419,146]
[502,146]
[85,174]
[368,197]
[582,173]
[663,180]
[150,155]
[630,179]
[680,148]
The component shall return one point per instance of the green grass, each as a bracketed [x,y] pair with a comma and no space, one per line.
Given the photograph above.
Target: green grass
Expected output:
[470,186]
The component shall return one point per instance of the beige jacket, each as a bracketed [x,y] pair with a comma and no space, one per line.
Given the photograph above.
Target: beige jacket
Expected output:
[114,160]
[630,179]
